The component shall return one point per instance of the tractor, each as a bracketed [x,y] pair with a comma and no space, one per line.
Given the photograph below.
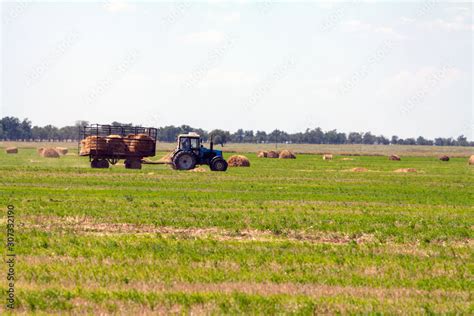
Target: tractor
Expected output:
[190,152]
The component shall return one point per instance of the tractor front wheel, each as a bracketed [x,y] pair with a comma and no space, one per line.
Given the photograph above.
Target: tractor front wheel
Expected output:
[218,164]
[184,161]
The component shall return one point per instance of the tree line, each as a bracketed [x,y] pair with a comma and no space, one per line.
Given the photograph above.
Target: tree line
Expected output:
[14,129]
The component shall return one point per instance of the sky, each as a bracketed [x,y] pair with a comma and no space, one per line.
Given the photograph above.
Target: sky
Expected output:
[389,67]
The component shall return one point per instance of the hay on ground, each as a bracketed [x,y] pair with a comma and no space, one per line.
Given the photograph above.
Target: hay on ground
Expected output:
[347,159]
[198,169]
[471,160]
[406,170]
[394,158]
[166,158]
[40,151]
[359,169]
[444,158]
[62,150]
[327,157]
[11,150]
[286,154]
[50,153]
[273,154]
[238,161]
[262,154]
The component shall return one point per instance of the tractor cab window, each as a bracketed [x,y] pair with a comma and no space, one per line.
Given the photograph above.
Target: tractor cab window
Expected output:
[194,143]
[189,143]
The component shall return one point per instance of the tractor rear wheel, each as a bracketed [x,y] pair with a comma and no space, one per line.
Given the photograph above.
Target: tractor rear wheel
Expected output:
[218,164]
[184,161]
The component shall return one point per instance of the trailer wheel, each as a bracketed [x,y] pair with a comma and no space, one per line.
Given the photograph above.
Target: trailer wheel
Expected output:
[218,164]
[133,164]
[99,163]
[184,161]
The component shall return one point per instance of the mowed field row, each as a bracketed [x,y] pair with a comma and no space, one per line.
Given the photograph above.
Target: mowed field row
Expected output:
[297,236]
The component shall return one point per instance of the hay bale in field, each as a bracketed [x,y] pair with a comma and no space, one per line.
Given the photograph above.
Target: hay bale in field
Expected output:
[394,158]
[406,170]
[62,150]
[327,157]
[262,154]
[471,160]
[238,161]
[286,154]
[11,150]
[444,158]
[49,153]
[359,169]
[40,151]
[273,154]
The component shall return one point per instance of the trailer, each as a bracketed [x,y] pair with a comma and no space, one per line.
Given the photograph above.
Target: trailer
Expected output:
[108,144]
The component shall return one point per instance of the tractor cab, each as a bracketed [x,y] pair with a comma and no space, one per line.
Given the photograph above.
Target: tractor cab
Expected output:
[190,152]
[190,142]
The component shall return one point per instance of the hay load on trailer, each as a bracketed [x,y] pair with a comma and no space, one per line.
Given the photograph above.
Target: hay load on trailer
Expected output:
[107,144]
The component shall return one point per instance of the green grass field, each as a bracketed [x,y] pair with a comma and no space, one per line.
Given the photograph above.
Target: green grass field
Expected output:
[297,236]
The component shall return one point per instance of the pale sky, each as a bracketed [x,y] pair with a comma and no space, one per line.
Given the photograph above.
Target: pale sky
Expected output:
[392,67]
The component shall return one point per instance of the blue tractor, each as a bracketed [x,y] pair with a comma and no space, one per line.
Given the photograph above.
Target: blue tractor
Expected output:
[190,152]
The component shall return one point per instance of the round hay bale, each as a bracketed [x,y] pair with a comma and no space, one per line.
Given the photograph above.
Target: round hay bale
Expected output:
[116,144]
[406,170]
[11,150]
[286,154]
[50,153]
[444,158]
[139,143]
[95,144]
[394,158]
[62,150]
[262,154]
[359,169]
[273,154]
[327,157]
[471,160]
[238,161]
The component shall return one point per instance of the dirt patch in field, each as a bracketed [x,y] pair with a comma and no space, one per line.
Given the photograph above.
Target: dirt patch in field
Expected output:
[270,289]
[406,170]
[359,169]
[86,225]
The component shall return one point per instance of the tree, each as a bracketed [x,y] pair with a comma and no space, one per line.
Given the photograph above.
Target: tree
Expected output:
[261,136]
[219,136]
[354,138]
[394,140]
[368,138]
[462,141]
[238,136]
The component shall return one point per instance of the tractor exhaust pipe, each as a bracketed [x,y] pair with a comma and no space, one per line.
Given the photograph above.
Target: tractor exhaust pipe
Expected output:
[211,145]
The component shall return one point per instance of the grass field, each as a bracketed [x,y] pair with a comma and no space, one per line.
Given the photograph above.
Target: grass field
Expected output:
[297,236]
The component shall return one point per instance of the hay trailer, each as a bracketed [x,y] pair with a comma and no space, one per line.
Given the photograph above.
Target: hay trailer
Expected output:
[108,144]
